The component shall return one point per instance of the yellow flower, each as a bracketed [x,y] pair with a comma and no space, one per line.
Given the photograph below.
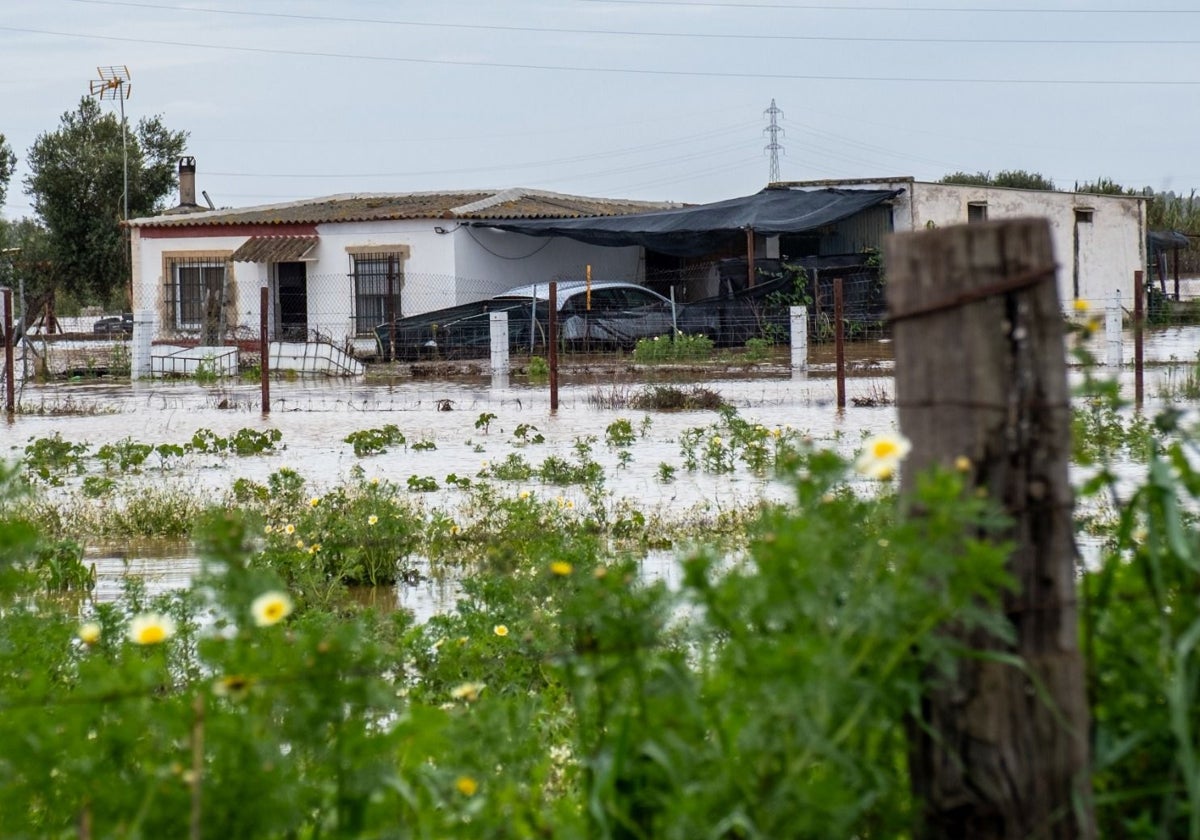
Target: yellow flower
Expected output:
[881,456]
[267,529]
[466,785]
[372,519]
[500,630]
[561,567]
[467,691]
[524,494]
[151,628]
[314,501]
[453,530]
[375,481]
[299,543]
[88,633]
[962,463]
[271,608]
[234,686]
[1080,305]
[314,548]
[289,529]
[716,441]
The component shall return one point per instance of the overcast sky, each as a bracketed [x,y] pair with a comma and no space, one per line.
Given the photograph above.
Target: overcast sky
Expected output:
[289,99]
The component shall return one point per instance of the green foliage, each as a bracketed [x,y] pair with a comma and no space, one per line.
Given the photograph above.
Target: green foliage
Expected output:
[423,446]
[619,434]
[422,483]
[126,455]
[243,442]
[527,433]
[757,349]
[51,458]
[206,372]
[8,163]
[484,421]
[375,441]
[677,348]
[1015,178]
[539,368]
[76,183]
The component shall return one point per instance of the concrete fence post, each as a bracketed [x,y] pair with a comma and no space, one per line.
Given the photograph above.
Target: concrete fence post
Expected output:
[498,321]
[143,336]
[1112,329]
[799,317]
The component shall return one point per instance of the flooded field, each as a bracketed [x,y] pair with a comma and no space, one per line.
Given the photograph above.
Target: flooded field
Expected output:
[446,417]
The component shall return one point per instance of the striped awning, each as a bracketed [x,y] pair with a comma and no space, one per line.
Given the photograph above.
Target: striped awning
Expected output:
[276,249]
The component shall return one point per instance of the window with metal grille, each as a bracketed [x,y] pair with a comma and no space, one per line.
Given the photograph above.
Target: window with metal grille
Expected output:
[378,279]
[195,292]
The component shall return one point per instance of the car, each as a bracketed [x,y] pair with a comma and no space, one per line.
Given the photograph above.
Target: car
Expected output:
[597,315]
[114,324]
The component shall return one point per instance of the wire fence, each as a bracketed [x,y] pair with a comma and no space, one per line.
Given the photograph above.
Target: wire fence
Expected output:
[394,314]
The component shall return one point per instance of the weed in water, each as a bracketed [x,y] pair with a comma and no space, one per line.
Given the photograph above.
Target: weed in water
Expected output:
[375,441]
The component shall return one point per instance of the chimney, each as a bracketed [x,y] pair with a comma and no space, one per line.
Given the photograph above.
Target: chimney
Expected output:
[187,182]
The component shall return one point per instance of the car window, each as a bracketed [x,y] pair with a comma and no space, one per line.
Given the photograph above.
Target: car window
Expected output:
[637,297]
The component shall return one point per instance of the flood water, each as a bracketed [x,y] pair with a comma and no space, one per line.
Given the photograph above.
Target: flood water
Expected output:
[315,415]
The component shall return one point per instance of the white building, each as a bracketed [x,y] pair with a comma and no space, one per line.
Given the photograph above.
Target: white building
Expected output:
[1099,240]
[336,267]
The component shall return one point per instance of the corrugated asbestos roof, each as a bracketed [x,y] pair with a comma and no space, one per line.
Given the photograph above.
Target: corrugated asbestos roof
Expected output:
[264,249]
[474,204]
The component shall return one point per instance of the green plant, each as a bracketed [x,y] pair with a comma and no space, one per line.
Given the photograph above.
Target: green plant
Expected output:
[666,472]
[757,349]
[423,446]
[538,368]
[375,441]
[422,483]
[50,458]
[527,433]
[676,348]
[127,455]
[619,434]
[484,421]
[206,372]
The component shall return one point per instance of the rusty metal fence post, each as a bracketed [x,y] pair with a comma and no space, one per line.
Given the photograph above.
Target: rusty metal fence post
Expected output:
[1139,319]
[552,345]
[839,340]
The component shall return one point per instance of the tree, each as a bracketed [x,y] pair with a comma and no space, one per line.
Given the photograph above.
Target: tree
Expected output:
[8,162]
[76,184]
[1014,178]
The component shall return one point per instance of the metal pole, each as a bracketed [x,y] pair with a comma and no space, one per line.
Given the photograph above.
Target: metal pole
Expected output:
[10,393]
[839,338]
[552,340]
[1139,315]
[391,309]
[264,349]
[124,156]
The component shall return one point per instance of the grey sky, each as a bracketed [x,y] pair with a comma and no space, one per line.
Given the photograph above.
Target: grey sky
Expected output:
[287,99]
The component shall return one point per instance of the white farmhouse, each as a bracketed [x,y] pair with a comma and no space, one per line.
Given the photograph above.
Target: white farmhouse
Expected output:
[1099,240]
[335,267]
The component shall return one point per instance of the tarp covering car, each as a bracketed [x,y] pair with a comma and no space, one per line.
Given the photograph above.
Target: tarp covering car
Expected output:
[706,228]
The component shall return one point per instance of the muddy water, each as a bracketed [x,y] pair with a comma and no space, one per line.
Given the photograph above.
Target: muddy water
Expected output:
[315,415]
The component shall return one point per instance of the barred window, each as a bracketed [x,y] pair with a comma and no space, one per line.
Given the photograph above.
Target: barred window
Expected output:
[195,291]
[378,279]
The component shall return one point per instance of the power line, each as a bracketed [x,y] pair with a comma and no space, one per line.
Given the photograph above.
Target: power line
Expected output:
[625,33]
[694,74]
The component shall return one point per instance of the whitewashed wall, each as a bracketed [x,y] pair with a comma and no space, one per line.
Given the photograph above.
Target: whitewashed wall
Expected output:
[1111,247]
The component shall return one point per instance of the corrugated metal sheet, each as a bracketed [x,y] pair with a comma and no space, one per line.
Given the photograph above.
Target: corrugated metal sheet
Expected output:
[860,232]
[274,249]
[492,204]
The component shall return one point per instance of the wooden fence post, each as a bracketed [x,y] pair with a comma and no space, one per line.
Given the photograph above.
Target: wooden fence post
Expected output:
[981,373]
[264,350]
[552,344]
[839,341]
